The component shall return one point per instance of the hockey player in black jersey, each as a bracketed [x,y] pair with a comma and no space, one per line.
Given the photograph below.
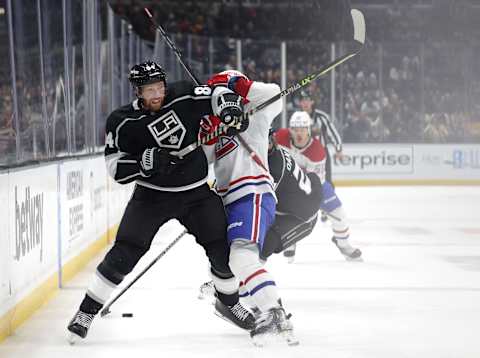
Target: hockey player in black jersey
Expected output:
[299,196]
[140,140]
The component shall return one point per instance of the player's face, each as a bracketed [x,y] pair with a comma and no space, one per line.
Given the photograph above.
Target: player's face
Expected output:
[300,136]
[153,96]
[306,104]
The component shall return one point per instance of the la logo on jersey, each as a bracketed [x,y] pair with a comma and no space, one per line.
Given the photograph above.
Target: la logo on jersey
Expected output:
[224,146]
[168,131]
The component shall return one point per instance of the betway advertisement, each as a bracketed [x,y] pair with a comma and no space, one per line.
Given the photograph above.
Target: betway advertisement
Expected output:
[33,223]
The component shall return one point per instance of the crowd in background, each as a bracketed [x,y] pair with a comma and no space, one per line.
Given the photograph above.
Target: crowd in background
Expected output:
[417,80]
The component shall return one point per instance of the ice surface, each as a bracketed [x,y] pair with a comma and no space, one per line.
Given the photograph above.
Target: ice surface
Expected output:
[417,293]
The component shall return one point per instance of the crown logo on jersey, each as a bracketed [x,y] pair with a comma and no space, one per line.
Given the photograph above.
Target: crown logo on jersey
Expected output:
[224,146]
[168,131]
[173,139]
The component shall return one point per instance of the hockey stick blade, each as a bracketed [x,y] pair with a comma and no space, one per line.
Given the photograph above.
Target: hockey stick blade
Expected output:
[359,34]
[358,26]
[106,309]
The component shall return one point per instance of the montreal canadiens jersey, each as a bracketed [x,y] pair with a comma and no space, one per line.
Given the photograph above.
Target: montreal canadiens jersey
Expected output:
[236,173]
[311,158]
[298,193]
[131,129]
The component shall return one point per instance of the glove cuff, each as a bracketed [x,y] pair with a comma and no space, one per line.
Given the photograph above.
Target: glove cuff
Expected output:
[146,163]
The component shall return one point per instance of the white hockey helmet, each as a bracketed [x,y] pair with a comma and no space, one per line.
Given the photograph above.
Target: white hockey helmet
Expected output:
[300,119]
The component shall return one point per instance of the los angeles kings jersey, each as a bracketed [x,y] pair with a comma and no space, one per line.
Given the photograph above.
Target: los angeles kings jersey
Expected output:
[131,129]
[298,193]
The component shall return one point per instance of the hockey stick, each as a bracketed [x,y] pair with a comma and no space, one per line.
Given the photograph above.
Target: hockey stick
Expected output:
[359,41]
[222,128]
[106,309]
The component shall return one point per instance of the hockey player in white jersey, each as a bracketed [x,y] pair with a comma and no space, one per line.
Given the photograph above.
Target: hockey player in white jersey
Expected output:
[310,154]
[246,188]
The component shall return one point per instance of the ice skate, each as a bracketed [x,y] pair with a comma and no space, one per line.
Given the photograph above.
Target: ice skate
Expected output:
[289,253]
[79,325]
[350,253]
[236,314]
[271,326]
[207,291]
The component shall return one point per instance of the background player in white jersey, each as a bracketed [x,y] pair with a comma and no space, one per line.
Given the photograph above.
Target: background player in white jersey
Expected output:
[246,188]
[323,127]
[310,154]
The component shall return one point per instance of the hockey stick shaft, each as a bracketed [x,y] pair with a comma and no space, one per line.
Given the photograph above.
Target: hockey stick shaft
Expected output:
[222,128]
[172,46]
[359,40]
[106,308]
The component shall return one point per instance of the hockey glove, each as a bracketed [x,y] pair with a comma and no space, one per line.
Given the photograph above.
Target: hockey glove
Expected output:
[157,161]
[231,108]
[239,126]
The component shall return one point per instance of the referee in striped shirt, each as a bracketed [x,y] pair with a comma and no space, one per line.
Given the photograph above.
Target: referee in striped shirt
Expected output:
[326,131]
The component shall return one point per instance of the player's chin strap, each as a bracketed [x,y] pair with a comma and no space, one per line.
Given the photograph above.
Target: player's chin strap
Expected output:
[221,129]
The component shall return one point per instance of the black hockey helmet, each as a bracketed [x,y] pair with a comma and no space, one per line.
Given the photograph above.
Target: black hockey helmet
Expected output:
[147,72]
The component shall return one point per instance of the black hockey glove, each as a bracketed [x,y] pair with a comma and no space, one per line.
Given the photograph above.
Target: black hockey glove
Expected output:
[239,126]
[157,161]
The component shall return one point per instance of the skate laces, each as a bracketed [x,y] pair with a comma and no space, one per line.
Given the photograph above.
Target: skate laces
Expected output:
[239,311]
[84,319]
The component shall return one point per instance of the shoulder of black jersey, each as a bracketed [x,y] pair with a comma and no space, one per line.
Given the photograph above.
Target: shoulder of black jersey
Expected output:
[121,113]
[283,150]
[179,89]
[314,180]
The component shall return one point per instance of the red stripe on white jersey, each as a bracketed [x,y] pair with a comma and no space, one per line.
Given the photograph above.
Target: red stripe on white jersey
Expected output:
[256,217]
[241,179]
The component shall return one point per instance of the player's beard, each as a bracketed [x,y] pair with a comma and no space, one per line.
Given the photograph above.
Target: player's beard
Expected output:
[153,105]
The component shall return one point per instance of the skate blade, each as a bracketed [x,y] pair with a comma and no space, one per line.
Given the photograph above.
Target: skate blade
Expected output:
[206,296]
[258,341]
[227,320]
[354,259]
[72,338]
[267,339]
[290,339]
